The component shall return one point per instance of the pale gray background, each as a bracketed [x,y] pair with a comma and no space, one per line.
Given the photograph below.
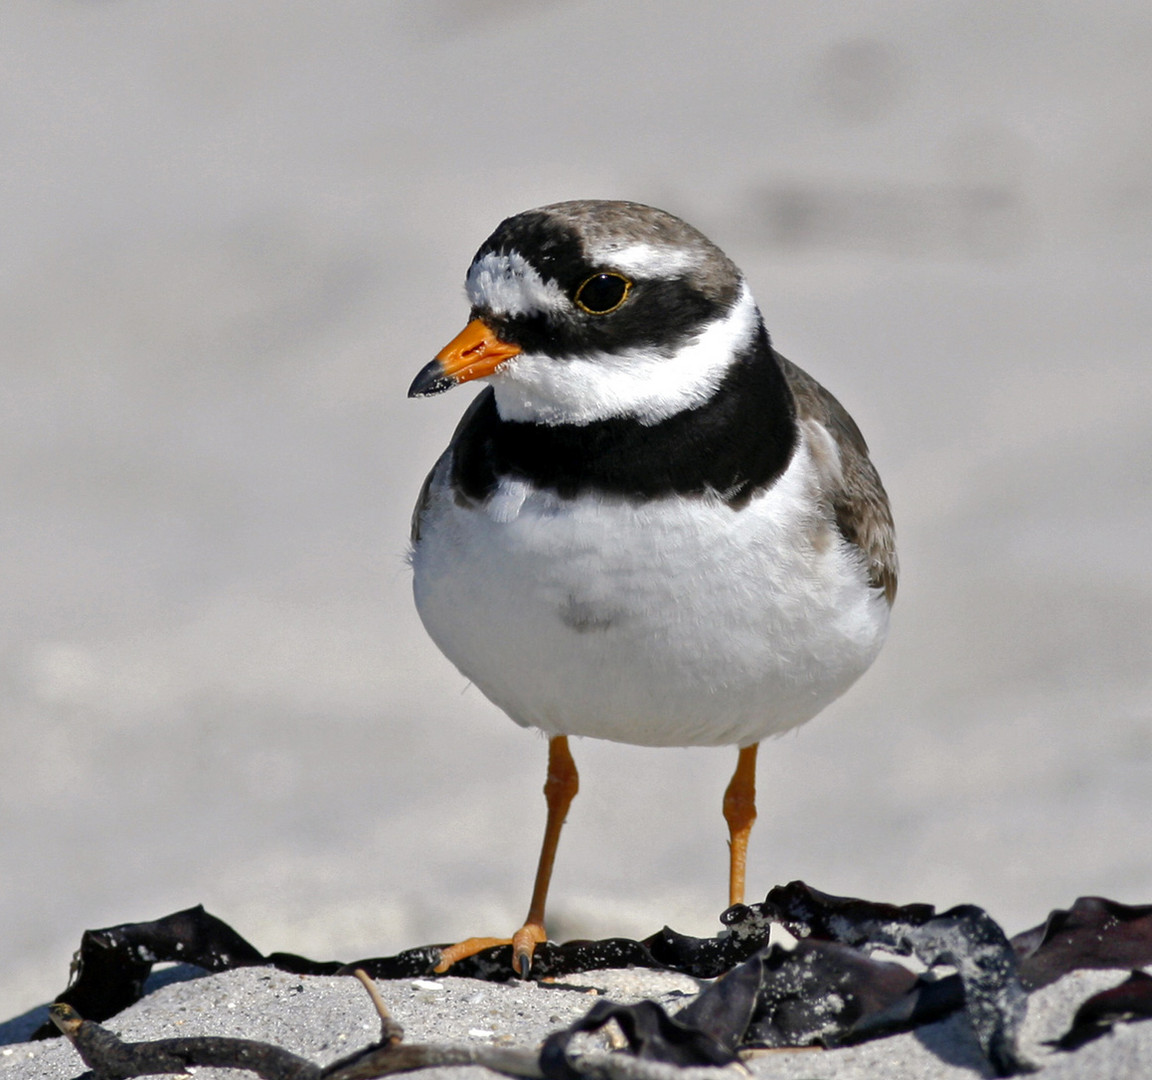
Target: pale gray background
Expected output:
[231,232]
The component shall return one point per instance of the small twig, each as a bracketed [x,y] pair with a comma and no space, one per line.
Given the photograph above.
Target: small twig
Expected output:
[391,1033]
[398,1058]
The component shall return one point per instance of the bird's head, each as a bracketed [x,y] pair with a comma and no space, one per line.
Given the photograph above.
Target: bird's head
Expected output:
[588,310]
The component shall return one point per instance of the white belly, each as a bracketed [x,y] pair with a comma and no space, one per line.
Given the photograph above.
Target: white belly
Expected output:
[679,622]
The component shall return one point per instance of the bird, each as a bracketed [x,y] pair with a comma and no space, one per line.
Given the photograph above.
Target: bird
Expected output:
[649,527]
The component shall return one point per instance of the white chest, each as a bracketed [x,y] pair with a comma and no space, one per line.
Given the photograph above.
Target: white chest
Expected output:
[667,623]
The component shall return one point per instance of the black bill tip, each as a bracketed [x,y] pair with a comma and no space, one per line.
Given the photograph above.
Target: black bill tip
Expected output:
[431,381]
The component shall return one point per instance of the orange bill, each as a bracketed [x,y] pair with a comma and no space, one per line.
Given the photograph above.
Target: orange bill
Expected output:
[473,353]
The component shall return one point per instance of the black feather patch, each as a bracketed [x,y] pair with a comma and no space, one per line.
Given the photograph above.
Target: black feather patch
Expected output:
[736,443]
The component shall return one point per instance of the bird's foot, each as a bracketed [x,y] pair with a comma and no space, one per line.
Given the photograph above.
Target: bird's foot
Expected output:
[523,943]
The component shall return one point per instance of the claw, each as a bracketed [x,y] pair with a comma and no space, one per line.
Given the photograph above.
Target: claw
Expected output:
[524,943]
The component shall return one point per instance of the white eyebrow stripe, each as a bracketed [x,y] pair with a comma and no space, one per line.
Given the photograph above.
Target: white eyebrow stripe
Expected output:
[508,284]
[644,260]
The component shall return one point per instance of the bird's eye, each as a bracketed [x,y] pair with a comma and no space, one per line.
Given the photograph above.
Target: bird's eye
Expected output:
[602,293]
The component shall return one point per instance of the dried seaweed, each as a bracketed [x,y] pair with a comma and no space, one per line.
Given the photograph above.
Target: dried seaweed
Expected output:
[828,993]
[1093,933]
[1126,1003]
[110,1058]
[824,989]
[807,995]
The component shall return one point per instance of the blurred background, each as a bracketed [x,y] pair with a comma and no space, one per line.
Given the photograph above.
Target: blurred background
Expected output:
[233,232]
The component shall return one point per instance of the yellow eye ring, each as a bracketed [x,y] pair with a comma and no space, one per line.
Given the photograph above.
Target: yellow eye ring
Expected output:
[602,293]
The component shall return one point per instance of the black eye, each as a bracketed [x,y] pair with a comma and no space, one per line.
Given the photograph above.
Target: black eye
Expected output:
[602,293]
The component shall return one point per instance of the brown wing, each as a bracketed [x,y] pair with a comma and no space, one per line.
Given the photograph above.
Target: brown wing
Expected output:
[857,498]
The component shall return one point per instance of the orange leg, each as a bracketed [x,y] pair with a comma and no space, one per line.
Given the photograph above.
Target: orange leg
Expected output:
[740,813]
[559,790]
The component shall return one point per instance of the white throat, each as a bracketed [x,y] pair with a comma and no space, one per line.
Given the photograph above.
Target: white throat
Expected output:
[645,384]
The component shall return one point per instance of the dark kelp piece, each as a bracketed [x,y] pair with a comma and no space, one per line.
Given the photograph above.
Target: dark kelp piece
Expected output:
[819,992]
[1093,933]
[965,937]
[808,912]
[495,964]
[811,994]
[651,1033]
[1130,1001]
[707,958]
[929,1000]
[111,965]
